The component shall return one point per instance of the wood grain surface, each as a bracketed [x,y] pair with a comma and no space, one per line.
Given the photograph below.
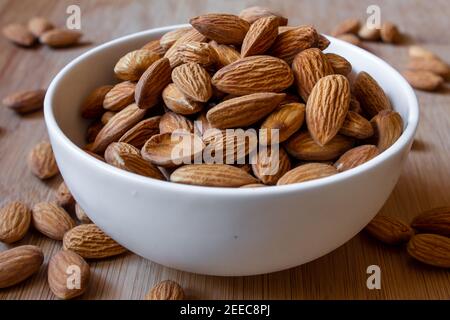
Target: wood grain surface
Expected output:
[424,183]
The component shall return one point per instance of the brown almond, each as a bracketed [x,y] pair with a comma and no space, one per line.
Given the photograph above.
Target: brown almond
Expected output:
[197,52]
[327,108]
[434,65]
[172,121]
[155,47]
[250,75]
[350,25]
[423,80]
[166,290]
[212,175]
[389,33]
[81,215]
[270,165]
[189,36]
[60,38]
[356,157]
[356,126]
[369,33]
[169,39]
[41,161]
[176,101]
[430,249]
[243,111]
[225,55]
[355,106]
[350,38]
[252,14]
[131,66]
[223,28]
[339,63]
[127,157]
[18,264]
[63,196]
[387,127]
[15,218]
[370,95]
[51,220]
[260,37]
[193,81]
[436,220]
[389,230]
[19,35]
[120,96]
[322,42]
[39,25]
[108,115]
[25,101]
[88,241]
[307,172]
[141,132]
[421,52]
[92,106]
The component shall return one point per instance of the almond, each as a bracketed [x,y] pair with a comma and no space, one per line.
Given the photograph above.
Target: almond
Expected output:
[41,161]
[25,101]
[421,52]
[350,25]
[166,290]
[369,33]
[260,37]
[189,36]
[81,215]
[223,28]
[253,185]
[212,175]
[127,157]
[269,165]
[201,124]
[327,108]
[60,267]
[389,33]
[355,106]
[356,157]
[117,126]
[350,38]
[92,106]
[436,220]
[88,241]
[131,66]
[176,101]
[141,132]
[155,47]
[301,146]
[254,74]
[120,96]
[388,127]
[423,80]
[60,38]
[322,42]
[39,26]
[225,55]
[252,14]
[340,64]
[307,172]
[389,230]
[197,52]
[243,111]
[161,150]
[430,249]
[434,65]
[19,35]
[152,83]
[288,119]
[310,66]
[356,126]
[291,42]
[108,115]
[370,95]
[193,81]
[63,196]
[169,39]
[15,220]
[93,130]
[18,264]
[171,121]
[51,220]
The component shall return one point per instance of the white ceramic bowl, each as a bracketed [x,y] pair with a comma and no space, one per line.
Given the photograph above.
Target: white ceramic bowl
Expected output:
[220,231]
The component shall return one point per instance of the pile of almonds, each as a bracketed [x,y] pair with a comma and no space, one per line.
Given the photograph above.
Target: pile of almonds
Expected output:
[239,72]
[40,30]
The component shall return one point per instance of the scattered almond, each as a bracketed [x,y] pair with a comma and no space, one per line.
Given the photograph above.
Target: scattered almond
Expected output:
[389,33]
[436,220]
[369,33]
[15,218]
[166,290]
[423,80]
[60,38]
[39,25]
[19,35]
[389,230]
[430,249]
[348,26]
[41,161]
[51,220]
[25,101]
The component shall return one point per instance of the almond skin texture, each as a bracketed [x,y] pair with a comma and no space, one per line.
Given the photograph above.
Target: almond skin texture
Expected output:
[152,83]
[18,264]
[436,220]
[252,14]
[340,64]
[25,101]
[155,47]
[60,38]
[41,161]
[243,111]
[108,115]
[166,290]
[347,26]
[265,167]
[430,249]
[92,106]
[387,127]
[327,108]
[356,157]
[254,74]
[310,66]
[423,80]
[141,132]
[176,101]
[189,36]
[19,35]
[169,39]
[58,274]
[52,220]
[301,146]
[88,241]
[63,196]
[370,95]
[223,28]
[212,175]
[225,55]
[120,96]
[127,157]
[81,215]
[172,121]
[131,66]
[322,42]
[307,172]
[38,26]
[290,43]
[356,126]
[288,119]
[117,126]
[193,81]
[15,220]
[389,230]
[260,37]
[198,52]
[389,33]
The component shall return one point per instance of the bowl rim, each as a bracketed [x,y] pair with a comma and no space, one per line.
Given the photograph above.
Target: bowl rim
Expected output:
[406,137]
